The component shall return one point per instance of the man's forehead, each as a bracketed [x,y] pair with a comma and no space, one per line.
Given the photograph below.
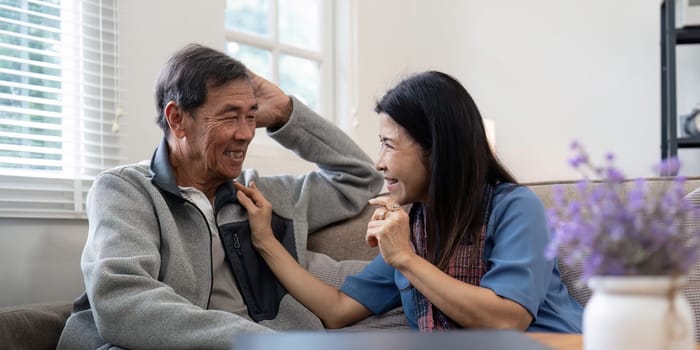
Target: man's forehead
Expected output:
[238,89]
[235,95]
[242,83]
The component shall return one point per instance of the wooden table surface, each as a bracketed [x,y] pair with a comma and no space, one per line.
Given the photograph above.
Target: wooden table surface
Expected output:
[559,341]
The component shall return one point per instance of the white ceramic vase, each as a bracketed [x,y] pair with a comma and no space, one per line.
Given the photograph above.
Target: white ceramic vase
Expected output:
[637,312]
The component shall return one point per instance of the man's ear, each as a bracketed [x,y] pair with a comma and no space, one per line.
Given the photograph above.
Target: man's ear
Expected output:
[175,117]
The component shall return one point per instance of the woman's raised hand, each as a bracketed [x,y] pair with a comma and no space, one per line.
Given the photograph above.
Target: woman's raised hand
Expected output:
[389,229]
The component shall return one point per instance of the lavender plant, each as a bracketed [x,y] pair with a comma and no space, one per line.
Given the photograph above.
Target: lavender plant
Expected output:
[616,229]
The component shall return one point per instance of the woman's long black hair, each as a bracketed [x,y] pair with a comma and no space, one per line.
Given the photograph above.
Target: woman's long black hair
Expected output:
[438,113]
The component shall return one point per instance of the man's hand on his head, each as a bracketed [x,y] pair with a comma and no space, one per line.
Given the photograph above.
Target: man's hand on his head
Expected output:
[274,106]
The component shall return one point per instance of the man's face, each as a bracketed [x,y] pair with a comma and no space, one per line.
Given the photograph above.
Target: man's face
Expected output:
[219,135]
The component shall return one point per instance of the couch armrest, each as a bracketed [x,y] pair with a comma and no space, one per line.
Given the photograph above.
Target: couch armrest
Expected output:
[35,326]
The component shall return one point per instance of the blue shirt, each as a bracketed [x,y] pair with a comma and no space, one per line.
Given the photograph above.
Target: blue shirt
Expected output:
[516,237]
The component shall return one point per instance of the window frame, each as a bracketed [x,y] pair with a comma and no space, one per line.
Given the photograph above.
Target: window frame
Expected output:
[325,57]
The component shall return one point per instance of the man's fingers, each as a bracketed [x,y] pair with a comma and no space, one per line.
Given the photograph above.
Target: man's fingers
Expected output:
[251,74]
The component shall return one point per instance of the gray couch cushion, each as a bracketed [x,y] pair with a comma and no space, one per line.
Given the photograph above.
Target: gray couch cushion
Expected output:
[345,240]
[571,277]
[35,326]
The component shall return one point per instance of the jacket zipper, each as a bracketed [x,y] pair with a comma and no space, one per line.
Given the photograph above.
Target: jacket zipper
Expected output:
[237,244]
[211,254]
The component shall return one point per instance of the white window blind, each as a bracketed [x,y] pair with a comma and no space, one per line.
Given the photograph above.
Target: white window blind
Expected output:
[59,103]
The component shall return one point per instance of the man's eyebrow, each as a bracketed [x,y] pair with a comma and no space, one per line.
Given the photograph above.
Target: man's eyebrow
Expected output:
[236,108]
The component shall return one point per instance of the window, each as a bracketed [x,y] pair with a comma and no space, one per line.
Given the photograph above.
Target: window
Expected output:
[58,103]
[287,42]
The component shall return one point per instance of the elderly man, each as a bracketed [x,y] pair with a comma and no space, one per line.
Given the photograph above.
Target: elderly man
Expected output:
[168,261]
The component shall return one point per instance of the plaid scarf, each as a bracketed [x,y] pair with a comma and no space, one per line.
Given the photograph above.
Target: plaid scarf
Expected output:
[465,265]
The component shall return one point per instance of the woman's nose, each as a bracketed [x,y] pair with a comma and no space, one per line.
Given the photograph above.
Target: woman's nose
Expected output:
[379,164]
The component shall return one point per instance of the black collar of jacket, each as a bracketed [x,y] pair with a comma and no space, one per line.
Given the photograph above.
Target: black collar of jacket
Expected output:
[162,174]
[225,194]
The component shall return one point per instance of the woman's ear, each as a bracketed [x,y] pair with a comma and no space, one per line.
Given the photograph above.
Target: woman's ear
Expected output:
[175,117]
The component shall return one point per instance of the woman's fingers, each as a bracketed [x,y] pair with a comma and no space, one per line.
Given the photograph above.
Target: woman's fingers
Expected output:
[251,193]
[385,206]
[259,212]
[379,214]
[371,240]
[244,197]
[385,201]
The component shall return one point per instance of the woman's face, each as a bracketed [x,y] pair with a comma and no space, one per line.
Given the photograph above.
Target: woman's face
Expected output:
[404,163]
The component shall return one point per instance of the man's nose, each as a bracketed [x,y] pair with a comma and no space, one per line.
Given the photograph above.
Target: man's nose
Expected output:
[244,131]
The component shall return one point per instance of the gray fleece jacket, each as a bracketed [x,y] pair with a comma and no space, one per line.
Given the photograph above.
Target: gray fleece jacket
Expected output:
[147,261]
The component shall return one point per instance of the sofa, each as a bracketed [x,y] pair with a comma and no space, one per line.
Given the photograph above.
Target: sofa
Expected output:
[344,251]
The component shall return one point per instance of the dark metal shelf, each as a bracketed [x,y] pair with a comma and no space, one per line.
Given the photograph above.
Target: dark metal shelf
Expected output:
[670,37]
[688,35]
[688,142]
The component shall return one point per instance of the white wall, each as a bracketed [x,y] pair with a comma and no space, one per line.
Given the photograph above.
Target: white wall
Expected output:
[546,71]
[40,260]
[564,70]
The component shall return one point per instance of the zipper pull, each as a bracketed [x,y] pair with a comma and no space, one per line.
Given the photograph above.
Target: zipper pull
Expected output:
[237,244]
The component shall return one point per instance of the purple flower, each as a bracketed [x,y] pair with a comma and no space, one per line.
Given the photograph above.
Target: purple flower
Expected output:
[574,145]
[613,174]
[669,166]
[617,227]
[575,162]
